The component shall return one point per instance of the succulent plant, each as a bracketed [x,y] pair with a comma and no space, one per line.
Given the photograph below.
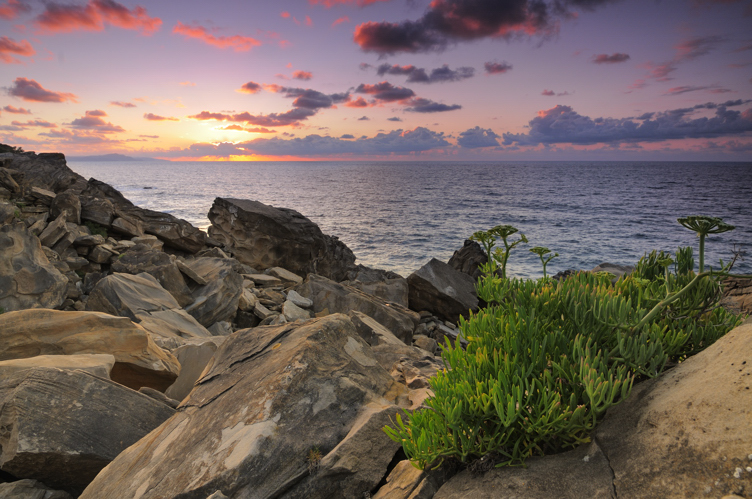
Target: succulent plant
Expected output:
[704,225]
[542,251]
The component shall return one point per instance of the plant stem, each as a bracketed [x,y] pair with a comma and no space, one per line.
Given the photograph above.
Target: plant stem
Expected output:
[702,253]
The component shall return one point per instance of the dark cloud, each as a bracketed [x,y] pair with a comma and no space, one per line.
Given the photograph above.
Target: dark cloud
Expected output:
[474,138]
[394,118]
[94,16]
[156,117]
[421,105]
[347,136]
[548,93]
[250,88]
[695,88]
[289,118]
[13,8]
[121,104]
[35,123]
[419,75]
[309,98]
[494,68]
[385,91]
[16,110]
[30,90]
[11,128]
[696,47]
[92,121]
[610,59]
[562,124]
[364,118]
[10,48]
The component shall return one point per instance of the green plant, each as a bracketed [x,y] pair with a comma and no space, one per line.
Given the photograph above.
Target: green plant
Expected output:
[546,359]
[541,252]
[96,229]
[313,459]
[704,225]
[17,213]
[499,256]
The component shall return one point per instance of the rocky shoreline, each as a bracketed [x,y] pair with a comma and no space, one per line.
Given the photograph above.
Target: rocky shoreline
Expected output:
[142,357]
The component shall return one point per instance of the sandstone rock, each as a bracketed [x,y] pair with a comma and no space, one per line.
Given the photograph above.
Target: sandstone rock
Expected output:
[100,254]
[31,489]
[159,397]
[425,343]
[54,231]
[7,181]
[42,195]
[262,312]
[63,427]
[138,361]
[149,240]
[47,171]
[144,258]
[442,290]
[298,300]
[97,210]
[263,236]
[390,289]
[247,300]
[189,273]
[407,482]
[338,298]
[293,312]
[193,358]
[27,279]
[468,259]
[128,226]
[270,397]
[97,364]
[221,328]
[69,203]
[217,300]
[89,240]
[263,280]
[371,331]
[285,275]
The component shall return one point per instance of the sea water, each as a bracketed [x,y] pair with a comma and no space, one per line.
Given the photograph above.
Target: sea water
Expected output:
[399,215]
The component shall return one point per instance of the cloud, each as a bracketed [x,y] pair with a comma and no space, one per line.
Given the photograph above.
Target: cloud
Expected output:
[494,68]
[308,21]
[155,117]
[660,72]
[697,47]
[302,75]
[92,121]
[13,8]
[149,136]
[122,104]
[421,105]
[385,91]
[637,85]
[30,90]
[419,75]
[343,19]
[549,93]
[474,138]
[610,59]
[239,128]
[331,3]
[309,98]
[16,110]
[35,123]
[11,128]
[63,18]
[359,102]
[364,118]
[236,42]
[394,118]
[187,84]
[347,136]
[562,124]
[289,118]
[690,88]
[284,15]
[9,47]
[250,88]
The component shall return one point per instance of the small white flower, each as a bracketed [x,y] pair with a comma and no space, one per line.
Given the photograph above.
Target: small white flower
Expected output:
[738,473]
[586,458]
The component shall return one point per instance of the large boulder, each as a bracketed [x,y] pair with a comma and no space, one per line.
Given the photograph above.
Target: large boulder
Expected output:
[67,202]
[138,360]
[331,297]
[31,489]
[98,364]
[442,290]
[63,427]
[27,279]
[263,236]
[468,259]
[143,258]
[218,299]
[193,356]
[48,171]
[283,411]
[143,300]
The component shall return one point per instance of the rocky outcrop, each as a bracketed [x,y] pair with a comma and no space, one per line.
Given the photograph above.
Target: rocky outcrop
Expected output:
[63,427]
[330,297]
[98,364]
[737,295]
[217,300]
[138,360]
[144,258]
[384,284]
[27,279]
[263,236]
[46,170]
[193,356]
[468,259]
[280,412]
[442,290]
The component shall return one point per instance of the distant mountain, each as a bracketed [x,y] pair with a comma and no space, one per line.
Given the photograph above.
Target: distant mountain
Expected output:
[104,157]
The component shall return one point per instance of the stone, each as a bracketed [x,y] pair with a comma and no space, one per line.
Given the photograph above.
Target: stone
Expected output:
[174,232]
[298,300]
[144,258]
[263,280]
[88,240]
[97,210]
[425,343]
[285,276]
[27,279]
[393,290]
[263,236]
[193,358]
[138,360]
[269,399]
[97,364]
[247,300]
[293,312]
[407,482]
[149,240]
[54,231]
[442,290]
[64,243]
[371,331]
[7,181]
[47,171]
[159,397]
[262,312]
[189,273]
[218,300]
[338,298]
[468,259]
[128,226]
[221,328]
[31,489]
[100,254]
[42,195]
[69,203]
[63,427]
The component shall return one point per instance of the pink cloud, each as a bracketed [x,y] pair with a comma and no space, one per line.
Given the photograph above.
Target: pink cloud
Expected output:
[610,59]
[156,117]
[30,90]
[9,46]
[308,21]
[359,102]
[16,110]
[331,3]
[549,93]
[12,8]
[122,104]
[285,15]
[237,42]
[63,18]
[660,71]
[39,123]
[239,128]
[302,75]
[495,68]
[187,84]
[343,19]
[93,122]
[250,88]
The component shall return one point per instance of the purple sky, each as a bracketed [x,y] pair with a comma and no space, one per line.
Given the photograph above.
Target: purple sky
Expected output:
[380,79]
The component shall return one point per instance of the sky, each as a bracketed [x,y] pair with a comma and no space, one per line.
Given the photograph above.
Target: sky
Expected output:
[455,80]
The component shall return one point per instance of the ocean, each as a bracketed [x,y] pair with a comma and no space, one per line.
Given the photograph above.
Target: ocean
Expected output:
[398,215]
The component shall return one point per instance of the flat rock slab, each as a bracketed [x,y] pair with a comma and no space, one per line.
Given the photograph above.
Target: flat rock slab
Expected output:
[63,427]
[218,300]
[97,364]
[271,395]
[442,290]
[31,489]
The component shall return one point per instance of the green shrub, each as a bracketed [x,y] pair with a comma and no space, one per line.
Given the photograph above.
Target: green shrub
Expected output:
[546,359]
[96,229]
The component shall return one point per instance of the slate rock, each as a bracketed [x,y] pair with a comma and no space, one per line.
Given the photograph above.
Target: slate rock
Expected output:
[144,258]
[218,299]
[69,203]
[468,259]
[442,290]
[31,489]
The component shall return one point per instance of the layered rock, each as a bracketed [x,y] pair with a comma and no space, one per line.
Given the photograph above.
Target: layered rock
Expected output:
[98,364]
[263,236]
[144,258]
[138,360]
[217,300]
[442,290]
[63,427]
[280,413]
[468,259]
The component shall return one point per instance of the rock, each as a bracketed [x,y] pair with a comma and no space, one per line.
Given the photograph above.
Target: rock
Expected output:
[8,182]
[293,312]
[143,300]
[42,196]
[617,270]
[54,231]
[159,397]
[88,240]
[298,300]
[174,232]
[371,331]
[338,298]
[149,240]
[63,427]
[189,273]
[247,300]
[47,171]
[193,358]
[97,364]
[442,290]
[221,328]
[99,211]
[262,312]
[425,343]
[218,300]
[737,295]
[128,226]
[27,279]
[7,213]
[69,203]
[583,472]
[263,280]
[138,361]
[468,259]
[274,403]
[31,489]
[407,482]
[263,236]
[144,258]
[285,276]
[393,290]
[101,254]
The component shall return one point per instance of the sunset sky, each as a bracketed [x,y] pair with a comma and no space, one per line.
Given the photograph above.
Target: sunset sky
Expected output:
[379,79]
